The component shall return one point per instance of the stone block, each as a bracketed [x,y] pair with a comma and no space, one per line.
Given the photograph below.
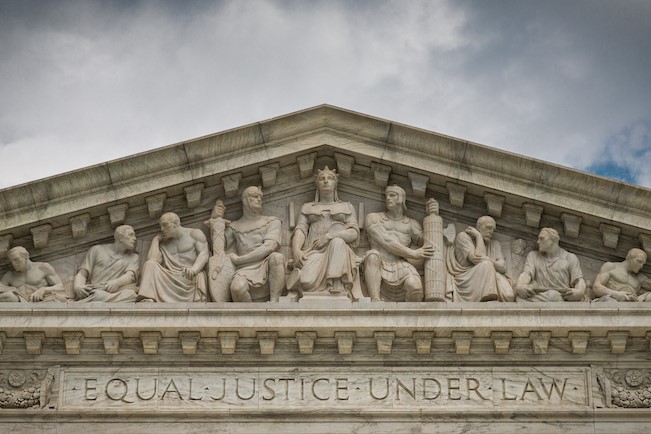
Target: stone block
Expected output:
[269,174]
[610,235]
[617,341]
[501,341]
[344,164]
[79,225]
[41,235]
[381,174]
[456,194]
[155,205]
[34,341]
[73,341]
[305,342]
[579,341]
[232,184]
[532,214]
[540,341]
[228,342]
[5,244]
[193,194]
[571,224]
[189,342]
[345,341]
[423,342]
[418,183]
[267,342]
[111,342]
[117,214]
[150,341]
[494,204]
[306,164]
[384,341]
[462,341]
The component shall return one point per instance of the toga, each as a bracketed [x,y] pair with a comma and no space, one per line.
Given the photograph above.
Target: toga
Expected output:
[104,265]
[560,272]
[477,282]
[165,282]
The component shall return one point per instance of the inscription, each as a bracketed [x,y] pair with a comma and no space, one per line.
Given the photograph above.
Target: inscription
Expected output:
[224,388]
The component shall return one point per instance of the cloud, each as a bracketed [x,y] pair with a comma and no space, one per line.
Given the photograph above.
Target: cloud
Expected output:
[84,82]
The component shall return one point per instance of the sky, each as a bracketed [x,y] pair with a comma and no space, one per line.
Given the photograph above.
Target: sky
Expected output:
[566,81]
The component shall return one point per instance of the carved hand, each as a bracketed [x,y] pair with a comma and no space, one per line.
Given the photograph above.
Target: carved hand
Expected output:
[424,252]
[525,291]
[321,241]
[189,273]
[473,232]
[574,294]
[299,258]
[82,291]
[113,286]
[219,210]
[38,295]
[235,259]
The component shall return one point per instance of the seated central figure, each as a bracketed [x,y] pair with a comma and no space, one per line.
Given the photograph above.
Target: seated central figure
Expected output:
[321,244]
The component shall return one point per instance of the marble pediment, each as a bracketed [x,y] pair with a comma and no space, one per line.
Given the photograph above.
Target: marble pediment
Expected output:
[57,219]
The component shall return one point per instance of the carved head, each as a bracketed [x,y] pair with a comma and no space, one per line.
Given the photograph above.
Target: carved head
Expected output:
[169,224]
[548,238]
[252,199]
[636,259]
[18,257]
[126,236]
[486,226]
[326,181]
[395,196]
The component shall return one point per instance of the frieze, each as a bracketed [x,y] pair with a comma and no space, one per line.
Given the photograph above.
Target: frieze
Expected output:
[626,388]
[314,388]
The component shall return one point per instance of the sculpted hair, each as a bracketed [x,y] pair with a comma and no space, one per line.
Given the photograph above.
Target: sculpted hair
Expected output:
[171,217]
[485,219]
[636,252]
[121,230]
[18,251]
[552,233]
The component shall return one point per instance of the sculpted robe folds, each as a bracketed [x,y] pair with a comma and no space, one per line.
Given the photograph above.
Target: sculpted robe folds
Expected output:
[480,282]
[247,239]
[560,273]
[165,282]
[104,265]
[334,261]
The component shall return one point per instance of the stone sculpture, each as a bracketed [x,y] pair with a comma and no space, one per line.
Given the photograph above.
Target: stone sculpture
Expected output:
[255,271]
[325,231]
[477,265]
[30,281]
[551,273]
[389,269]
[110,271]
[434,266]
[620,281]
[174,270]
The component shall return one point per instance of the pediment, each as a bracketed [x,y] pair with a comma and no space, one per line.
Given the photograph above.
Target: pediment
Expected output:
[62,216]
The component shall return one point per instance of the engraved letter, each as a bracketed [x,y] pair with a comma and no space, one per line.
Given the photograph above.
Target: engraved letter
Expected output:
[400,385]
[342,387]
[269,389]
[90,387]
[437,389]
[559,391]
[379,398]
[153,392]
[455,387]
[529,388]
[117,382]
[474,387]
[504,396]
[171,388]
[327,380]
[237,389]
[223,391]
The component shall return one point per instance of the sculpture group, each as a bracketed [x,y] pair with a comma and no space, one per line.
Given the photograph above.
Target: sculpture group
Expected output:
[242,262]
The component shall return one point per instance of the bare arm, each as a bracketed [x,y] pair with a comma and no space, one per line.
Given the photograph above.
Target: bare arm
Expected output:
[154,253]
[201,247]
[51,278]
[380,235]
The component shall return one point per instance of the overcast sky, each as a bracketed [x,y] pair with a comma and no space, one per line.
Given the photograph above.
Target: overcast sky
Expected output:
[83,82]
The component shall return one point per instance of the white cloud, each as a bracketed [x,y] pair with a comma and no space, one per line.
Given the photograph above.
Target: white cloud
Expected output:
[87,82]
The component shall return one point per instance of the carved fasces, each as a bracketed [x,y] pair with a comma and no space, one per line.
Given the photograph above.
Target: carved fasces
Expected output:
[246,265]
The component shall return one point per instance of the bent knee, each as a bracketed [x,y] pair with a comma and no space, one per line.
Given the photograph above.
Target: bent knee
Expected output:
[276,259]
